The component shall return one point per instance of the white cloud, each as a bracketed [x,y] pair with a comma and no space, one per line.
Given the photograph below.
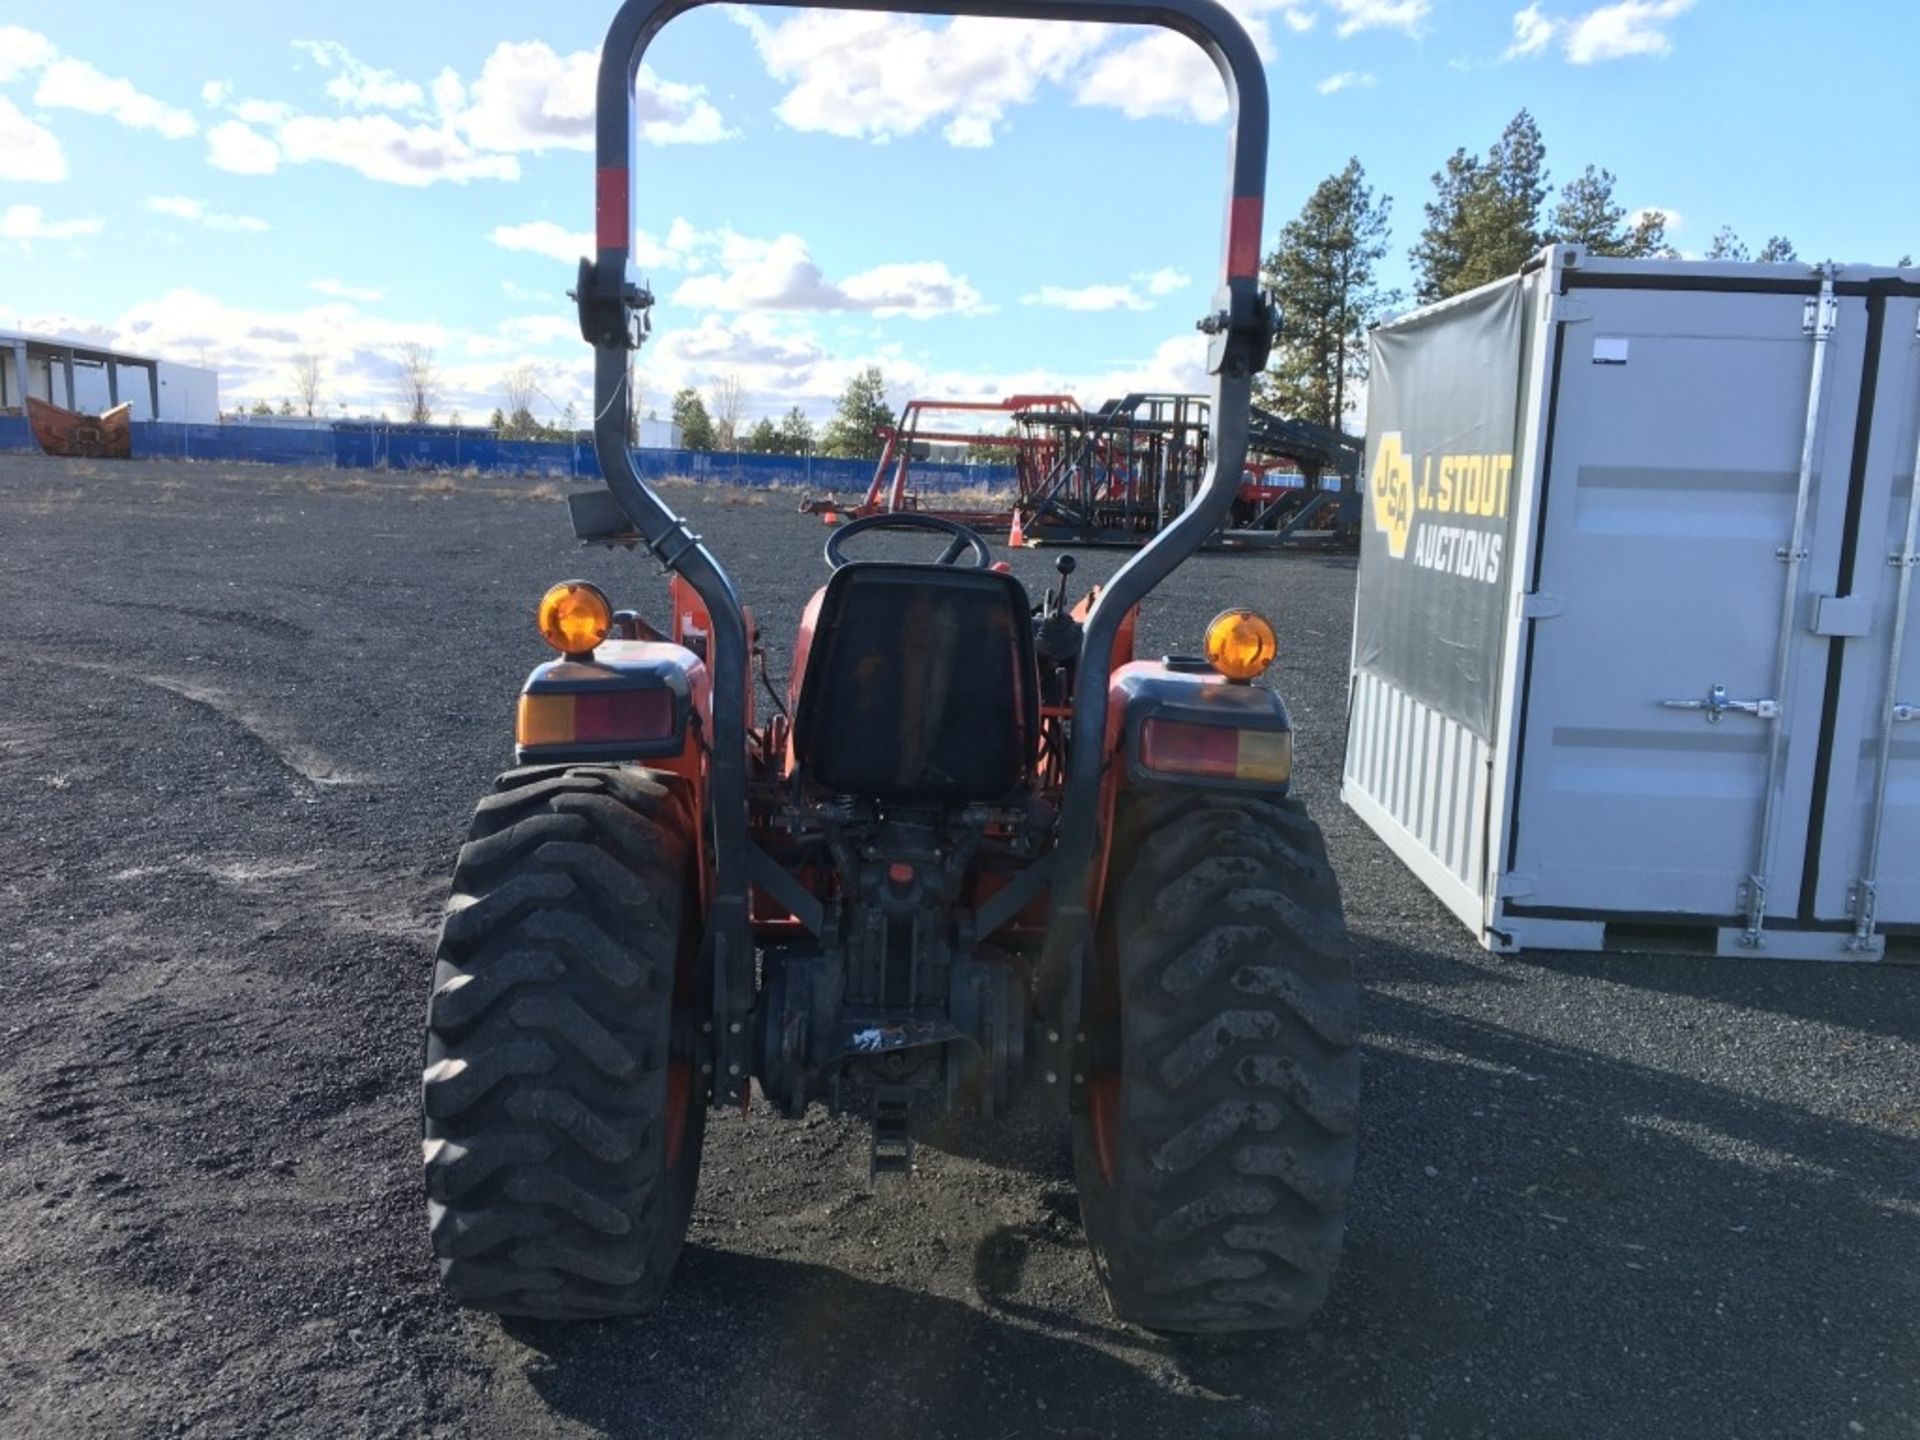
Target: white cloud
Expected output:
[1613,32]
[1532,32]
[781,275]
[242,150]
[358,84]
[1086,297]
[1610,32]
[23,51]
[185,207]
[1159,74]
[917,289]
[556,242]
[877,76]
[28,150]
[1358,15]
[543,237]
[255,352]
[340,290]
[1139,294]
[215,92]
[269,113]
[26,223]
[527,97]
[1298,19]
[383,148]
[76,85]
[1346,80]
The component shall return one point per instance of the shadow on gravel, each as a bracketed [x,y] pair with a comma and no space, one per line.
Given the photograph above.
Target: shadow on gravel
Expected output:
[1032,1139]
[1379,959]
[1880,999]
[1554,1240]
[751,1346]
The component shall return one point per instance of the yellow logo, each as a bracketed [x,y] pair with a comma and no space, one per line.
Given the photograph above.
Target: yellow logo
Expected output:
[1392,487]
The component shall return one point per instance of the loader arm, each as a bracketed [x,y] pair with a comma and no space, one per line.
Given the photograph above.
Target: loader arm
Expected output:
[1240,327]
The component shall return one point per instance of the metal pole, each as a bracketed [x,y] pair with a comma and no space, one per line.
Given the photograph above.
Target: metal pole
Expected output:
[1907,558]
[1819,322]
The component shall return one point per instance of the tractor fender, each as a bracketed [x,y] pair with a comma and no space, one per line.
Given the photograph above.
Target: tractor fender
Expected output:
[644,700]
[1187,694]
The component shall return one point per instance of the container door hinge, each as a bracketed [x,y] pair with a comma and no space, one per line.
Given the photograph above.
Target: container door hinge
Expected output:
[1515,886]
[1753,899]
[1862,899]
[1820,314]
[1539,605]
[1718,704]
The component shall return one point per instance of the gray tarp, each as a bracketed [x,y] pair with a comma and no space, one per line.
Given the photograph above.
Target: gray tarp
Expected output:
[1441,408]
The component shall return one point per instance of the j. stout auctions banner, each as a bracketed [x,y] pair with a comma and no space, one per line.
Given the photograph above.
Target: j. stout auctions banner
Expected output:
[1434,551]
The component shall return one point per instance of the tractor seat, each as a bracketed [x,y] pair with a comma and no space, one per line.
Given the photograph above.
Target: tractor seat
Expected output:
[919,685]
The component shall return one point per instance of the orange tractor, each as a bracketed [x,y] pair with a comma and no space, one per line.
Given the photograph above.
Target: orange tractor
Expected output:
[979,847]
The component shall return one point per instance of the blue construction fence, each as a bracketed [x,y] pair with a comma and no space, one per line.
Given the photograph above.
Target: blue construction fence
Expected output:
[350,446]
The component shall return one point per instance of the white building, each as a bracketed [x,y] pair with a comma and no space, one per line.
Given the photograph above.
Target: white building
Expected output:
[83,377]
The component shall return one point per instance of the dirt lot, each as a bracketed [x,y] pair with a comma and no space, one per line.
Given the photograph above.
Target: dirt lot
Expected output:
[245,715]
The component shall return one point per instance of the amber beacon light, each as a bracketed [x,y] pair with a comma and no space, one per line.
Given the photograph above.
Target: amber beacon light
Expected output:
[1240,644]
[575,616]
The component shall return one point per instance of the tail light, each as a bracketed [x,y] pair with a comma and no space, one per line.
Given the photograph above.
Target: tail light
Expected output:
[610,717]
[1216,752]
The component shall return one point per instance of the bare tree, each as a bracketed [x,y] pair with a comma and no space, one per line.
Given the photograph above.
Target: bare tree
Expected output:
[419,381]
[307,378]
[519,386]
[726,401]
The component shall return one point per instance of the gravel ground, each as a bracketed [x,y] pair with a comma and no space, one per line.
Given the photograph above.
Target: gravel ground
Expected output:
[246,715]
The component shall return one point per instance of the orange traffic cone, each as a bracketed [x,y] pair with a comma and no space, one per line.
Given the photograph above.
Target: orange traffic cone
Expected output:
[829,517]
[1017,535]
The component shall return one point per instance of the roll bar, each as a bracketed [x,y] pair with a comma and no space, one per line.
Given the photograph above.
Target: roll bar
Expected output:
[613,311]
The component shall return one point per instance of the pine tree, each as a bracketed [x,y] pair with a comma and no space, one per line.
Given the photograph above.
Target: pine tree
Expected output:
[863,411]
[690,414]
[763,438]
[499,421]
[796,433]
[1441,252]
[1322,273]
[1777,251]
[1586,215]
[1484,221]
[1648,238]
[1726,246]
[1506,228]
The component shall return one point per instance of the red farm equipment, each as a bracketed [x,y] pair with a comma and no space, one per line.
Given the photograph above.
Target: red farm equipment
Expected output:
[1121,474]
[977,848]
[924,430]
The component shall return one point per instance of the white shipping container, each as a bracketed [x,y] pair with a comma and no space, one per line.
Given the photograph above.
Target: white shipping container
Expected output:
[1635,660]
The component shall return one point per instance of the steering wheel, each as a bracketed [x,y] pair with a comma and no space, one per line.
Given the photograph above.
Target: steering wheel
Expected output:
[963,538]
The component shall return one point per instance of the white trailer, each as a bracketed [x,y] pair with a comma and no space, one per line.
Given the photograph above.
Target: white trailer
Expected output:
[1635,664]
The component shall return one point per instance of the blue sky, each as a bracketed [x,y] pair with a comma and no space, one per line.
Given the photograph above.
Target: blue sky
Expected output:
[978,209]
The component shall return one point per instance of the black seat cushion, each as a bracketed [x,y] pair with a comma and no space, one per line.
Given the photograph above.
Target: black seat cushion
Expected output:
[920,685]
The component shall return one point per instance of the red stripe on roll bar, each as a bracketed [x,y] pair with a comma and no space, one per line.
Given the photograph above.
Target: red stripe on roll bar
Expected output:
[611,206]
[1243,238]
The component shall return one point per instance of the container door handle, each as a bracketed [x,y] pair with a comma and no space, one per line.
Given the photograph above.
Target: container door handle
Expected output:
[1717,704]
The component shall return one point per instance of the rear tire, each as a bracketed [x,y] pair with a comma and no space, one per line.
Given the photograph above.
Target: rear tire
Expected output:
[1216,1145]
[562,1126]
